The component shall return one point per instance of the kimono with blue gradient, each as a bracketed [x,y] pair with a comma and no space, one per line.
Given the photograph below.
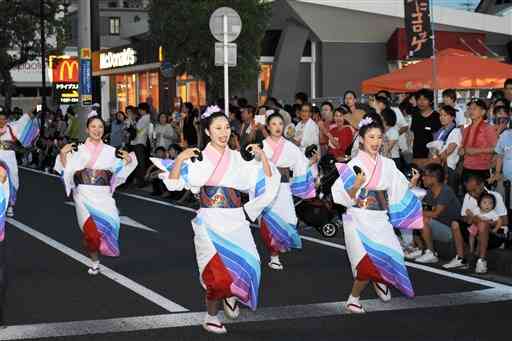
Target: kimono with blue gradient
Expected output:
[227,258]
[96,210]
[278,224]
[373,248]
[25,131]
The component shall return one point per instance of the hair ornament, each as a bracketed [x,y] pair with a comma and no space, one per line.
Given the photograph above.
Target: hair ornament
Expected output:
[365,122]
[212,109]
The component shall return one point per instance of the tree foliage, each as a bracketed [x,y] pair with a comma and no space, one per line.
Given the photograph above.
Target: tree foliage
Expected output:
[20,29]
[182,28]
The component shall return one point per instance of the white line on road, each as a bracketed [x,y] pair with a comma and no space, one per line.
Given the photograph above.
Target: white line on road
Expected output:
[130,324]
[126,221]
[148,294]
[422,267]
[184,208]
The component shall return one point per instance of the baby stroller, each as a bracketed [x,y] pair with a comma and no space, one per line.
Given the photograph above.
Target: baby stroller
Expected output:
[320,212]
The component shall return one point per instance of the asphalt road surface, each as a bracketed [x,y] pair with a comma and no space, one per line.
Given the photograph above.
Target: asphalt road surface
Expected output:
[152,291]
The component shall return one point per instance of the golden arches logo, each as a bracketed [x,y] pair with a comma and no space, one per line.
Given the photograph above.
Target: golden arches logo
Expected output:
[68,65]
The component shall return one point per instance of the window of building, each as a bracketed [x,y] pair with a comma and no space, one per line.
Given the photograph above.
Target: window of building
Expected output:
[149,89]
[115,26]
[264,82]
[191,90]
[125,90]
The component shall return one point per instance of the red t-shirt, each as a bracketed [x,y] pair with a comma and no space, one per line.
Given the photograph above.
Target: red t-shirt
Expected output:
[345,136]
[486,137]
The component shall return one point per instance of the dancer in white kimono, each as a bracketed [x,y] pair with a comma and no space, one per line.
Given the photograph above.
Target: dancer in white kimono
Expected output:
[4,203]
[24,132]
[228,261]
[92,171]
[378,197]
[278,224]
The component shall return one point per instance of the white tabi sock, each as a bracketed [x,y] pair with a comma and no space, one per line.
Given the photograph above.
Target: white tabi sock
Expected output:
[95,264]
[275,259]
[211,319]
[352,299]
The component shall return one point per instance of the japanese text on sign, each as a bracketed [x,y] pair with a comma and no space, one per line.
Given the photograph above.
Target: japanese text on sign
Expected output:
[417,25]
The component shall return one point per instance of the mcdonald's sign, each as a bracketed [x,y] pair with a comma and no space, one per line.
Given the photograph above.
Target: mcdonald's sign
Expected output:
[65,70]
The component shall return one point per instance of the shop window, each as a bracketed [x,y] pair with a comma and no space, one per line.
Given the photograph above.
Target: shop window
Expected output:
[115,26]
[148,89]
[125,90]
[264,82]
[191,90]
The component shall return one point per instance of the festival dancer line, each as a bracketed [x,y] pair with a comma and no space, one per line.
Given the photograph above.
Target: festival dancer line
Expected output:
[92,172]
[228,261]
[378,197]
[23,131]
[278,224]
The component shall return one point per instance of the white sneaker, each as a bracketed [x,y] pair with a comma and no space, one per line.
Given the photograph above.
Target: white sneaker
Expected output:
[10,212]
[382,291]
[353,306]
[456,263]
[428,257]
[212,325]
[481,266]
[413,253]
[231,308]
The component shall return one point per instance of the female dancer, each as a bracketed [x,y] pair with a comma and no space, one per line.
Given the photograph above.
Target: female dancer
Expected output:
[4,202]
[279,221]
[92,171]
[377,197]
[23,131]
[227,258]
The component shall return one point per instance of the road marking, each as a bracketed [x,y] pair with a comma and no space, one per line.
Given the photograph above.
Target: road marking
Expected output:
[38,171]
[441,272]
[192,319]
[422,267]
[148,294]
[127,221]
[184,208]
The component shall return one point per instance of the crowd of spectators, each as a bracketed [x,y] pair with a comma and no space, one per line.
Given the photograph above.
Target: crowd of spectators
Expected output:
[464,151]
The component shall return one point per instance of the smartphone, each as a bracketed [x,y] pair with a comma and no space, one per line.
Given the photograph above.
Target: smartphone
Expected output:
[39,107]
[260,119]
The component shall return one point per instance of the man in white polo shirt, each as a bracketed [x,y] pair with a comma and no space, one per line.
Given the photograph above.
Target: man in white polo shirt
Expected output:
[475,187]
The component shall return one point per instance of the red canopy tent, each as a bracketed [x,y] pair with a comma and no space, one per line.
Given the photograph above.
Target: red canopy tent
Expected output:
[456,69]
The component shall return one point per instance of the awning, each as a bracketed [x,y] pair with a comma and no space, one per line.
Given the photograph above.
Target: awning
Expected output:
[456,69]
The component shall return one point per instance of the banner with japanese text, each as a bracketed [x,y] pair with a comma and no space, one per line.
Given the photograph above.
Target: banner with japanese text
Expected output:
[418,29]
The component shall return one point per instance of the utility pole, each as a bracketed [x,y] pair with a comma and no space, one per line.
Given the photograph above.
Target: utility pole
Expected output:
[84,41]
[43,65]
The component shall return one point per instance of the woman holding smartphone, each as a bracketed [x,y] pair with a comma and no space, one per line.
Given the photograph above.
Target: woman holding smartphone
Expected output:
[92,171]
